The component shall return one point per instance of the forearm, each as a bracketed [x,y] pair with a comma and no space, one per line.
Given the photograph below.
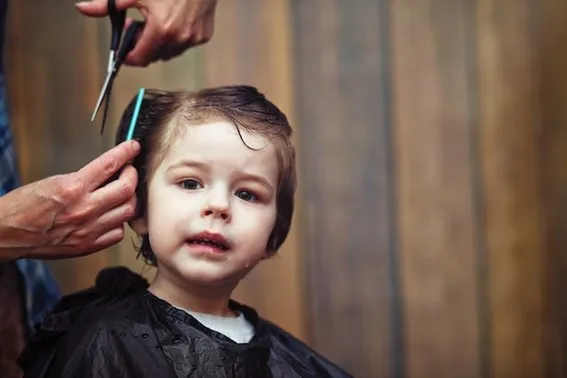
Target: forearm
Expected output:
[10,235]
[11,239]
[23,215]
[9,254]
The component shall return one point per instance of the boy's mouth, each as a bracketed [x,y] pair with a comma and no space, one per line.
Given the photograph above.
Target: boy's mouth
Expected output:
[210,239]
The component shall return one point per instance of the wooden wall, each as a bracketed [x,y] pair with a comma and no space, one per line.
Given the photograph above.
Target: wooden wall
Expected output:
[428,241]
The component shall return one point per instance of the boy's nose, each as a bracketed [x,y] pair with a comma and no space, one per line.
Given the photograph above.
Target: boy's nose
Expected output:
[216,212]
[217,206]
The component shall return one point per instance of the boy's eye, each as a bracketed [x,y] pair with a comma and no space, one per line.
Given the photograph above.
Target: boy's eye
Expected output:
[246,196]
[190,184]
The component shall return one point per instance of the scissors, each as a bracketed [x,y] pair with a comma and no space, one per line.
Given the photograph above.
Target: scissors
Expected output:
[119,49]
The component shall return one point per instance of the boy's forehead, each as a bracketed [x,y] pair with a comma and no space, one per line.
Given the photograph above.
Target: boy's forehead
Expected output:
[221,141]
[219,132]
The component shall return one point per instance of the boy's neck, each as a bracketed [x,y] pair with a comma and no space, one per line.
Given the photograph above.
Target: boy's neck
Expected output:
[206,300]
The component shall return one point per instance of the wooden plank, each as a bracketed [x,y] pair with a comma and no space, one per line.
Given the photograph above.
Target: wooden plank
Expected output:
[551,142]
[342,108]
[509,121]
[434,114]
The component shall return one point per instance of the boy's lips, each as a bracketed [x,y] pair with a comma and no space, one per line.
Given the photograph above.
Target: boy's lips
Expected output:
[210,239]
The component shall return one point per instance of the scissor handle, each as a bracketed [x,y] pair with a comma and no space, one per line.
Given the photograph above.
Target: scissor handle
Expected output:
[128,42]
[117,20]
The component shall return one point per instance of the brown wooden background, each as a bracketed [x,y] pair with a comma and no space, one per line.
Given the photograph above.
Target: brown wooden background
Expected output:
[429,239]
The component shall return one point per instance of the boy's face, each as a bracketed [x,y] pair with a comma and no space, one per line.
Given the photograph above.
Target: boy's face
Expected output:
[211,205]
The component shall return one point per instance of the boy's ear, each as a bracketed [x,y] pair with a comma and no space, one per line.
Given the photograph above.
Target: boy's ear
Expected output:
[139,225]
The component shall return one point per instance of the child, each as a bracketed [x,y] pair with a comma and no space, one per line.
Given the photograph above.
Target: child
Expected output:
[215,197]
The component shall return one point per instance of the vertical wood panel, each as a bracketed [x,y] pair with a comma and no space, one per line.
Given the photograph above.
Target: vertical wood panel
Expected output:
[434,107]
[551,141]
[342,109]
[510,119]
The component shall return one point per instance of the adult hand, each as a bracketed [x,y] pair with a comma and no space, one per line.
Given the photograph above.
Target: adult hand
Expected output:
[70,215]
[172,26]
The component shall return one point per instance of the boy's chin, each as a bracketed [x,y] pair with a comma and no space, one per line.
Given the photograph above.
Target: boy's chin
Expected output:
[214,278]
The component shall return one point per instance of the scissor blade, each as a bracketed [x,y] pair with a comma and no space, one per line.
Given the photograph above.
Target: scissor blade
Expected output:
[111,59]
[102,94]
[104,114]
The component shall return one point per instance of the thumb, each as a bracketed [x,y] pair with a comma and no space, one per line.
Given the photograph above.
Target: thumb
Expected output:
[99,8]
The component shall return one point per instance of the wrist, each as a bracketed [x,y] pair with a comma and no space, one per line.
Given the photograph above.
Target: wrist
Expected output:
[9,251]
[9,254]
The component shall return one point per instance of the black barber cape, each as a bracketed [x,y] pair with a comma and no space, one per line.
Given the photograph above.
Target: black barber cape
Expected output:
[119,329]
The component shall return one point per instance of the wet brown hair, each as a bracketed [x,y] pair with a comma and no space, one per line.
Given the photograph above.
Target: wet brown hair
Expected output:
[163,115]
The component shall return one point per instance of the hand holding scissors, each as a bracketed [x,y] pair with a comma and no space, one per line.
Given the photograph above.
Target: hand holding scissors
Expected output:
[172,26]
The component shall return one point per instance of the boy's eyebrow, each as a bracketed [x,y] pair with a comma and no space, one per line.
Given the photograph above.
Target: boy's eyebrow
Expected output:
[189,163]
[256,178]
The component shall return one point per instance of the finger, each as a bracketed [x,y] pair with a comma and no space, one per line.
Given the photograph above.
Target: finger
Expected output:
[116,192]
[99,8]
[116,217]
[102,168]
[108,239]
[199,34]
[168,52]
[147,46]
